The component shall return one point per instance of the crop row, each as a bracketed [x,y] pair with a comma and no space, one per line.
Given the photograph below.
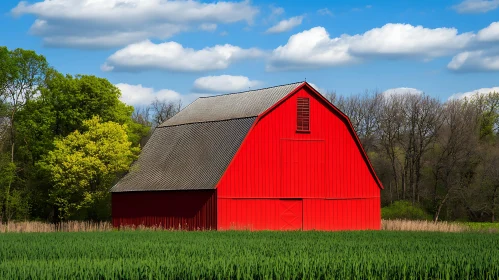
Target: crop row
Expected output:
[249,255]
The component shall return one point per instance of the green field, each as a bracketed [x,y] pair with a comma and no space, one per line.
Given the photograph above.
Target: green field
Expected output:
[249,255]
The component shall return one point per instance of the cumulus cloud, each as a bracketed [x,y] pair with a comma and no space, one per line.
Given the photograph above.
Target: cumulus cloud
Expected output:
[172,56]
[224,83]
[489,33]
[111,23]
[476,6]
[476,92]
[285,25]
[314,48]
[475,61]
[311,49]
[137,95]
[407,40]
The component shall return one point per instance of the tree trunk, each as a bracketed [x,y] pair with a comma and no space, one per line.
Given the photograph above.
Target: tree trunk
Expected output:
[437,213]
[494,197]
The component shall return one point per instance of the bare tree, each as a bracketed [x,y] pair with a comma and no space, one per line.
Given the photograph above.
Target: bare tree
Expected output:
[164,109]
[142,115]
[362,110]
[457,153]
[391,120]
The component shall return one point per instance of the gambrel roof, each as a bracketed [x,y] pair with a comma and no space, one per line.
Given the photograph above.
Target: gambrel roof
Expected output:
[192,149]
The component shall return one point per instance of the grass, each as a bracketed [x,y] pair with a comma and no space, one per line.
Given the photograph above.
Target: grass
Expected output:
[487,227]
[408,225]
[388,225]
[249,255]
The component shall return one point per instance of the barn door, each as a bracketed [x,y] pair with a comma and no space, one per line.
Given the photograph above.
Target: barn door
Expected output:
[302,168]
[290,214]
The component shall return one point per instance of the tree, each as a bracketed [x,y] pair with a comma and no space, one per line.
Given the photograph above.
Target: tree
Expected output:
[24,72]
[64,102]
[84,166]
[162,110]
[5,68]
[21,74]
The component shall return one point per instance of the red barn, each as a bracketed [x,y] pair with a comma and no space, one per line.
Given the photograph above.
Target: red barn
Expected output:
[280,158]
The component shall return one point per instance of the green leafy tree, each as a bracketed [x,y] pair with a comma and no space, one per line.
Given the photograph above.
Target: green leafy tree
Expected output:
[84,165]
[22,72]
[65,102]
[60,108]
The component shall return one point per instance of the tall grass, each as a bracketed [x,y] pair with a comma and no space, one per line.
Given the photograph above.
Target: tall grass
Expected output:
[408,225]
[388,225]
[70,226]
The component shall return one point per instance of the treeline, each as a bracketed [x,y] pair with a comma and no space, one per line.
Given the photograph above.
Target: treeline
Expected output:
[440,156]
[64,140]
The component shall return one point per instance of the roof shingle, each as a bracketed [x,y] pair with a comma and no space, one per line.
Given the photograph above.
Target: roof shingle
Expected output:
[230,106]
[186,157]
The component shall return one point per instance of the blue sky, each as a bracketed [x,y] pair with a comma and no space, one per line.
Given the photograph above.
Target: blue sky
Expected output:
[185,49]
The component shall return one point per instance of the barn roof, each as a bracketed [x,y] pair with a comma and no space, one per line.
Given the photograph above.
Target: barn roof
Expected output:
[231,106]
[184,157]
[192,150]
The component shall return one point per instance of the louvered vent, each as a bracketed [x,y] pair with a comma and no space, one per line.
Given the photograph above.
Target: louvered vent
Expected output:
[303,114]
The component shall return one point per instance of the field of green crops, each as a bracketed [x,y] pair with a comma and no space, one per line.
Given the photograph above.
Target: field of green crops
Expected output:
[249,255]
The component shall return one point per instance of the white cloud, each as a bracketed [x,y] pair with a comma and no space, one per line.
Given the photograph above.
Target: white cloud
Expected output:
[285,25]
[314,48]
[475,61]
[473,93]
[138,95]
[173,56]
[208,27]
[401,91]
[86,23]
[406,40]
[476,6]
[311,49]
[489,33]
[224,83]
[325,12]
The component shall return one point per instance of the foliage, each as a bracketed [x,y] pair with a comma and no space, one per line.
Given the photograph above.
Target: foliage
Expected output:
[404,210]
[61,107]
[84,165]
[13,202]
[64,103]
[249,255]
[483,226]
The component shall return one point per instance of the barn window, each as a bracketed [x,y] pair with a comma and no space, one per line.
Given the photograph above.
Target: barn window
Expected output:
[303,114]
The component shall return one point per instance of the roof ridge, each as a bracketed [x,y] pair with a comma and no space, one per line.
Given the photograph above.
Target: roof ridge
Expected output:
[223,120]
[251,90]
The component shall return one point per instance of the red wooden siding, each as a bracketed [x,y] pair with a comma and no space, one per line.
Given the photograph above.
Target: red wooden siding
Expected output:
[324,168]
[189,210]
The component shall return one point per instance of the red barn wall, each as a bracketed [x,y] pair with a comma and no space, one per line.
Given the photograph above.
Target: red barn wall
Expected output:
[281,179]
[189,210]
